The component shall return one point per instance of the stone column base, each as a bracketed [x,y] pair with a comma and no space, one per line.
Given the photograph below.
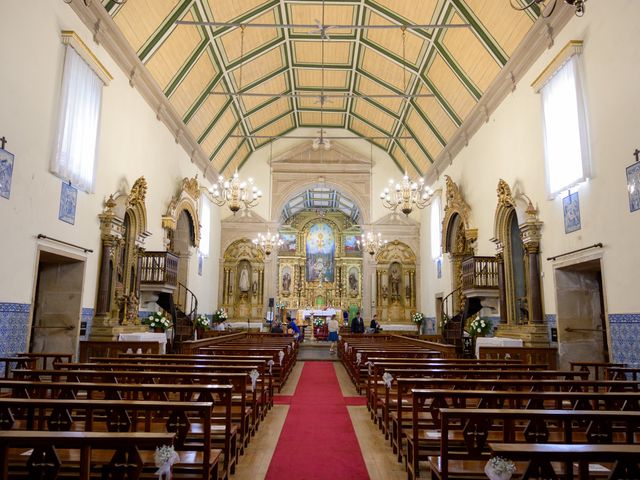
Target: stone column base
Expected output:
[532,335]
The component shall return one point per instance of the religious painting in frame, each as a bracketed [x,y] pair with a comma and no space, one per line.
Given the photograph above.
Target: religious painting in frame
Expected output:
[285,282]
[633,186]
[571,209]
[289,243]
[6,173]
[352,245]
[321,248]
[354,281]
[68,202]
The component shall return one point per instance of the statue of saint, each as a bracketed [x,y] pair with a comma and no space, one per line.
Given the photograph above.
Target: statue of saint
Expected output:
[395,282]
[319,268]
[244,279]
[286,282]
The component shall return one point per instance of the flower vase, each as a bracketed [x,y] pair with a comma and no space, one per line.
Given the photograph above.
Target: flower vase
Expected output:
[199,333]
[493,474]
[158,330]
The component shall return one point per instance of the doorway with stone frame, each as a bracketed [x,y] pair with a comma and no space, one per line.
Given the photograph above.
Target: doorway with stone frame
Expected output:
[581,311]
[57,302]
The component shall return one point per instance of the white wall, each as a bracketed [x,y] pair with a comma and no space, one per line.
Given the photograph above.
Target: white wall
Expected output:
[132,143]
[510,146]
[384,168]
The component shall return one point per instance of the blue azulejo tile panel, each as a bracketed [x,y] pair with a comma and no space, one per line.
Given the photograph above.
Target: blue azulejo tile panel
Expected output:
[625,338]
[14,324]
[552,322]
[87,320]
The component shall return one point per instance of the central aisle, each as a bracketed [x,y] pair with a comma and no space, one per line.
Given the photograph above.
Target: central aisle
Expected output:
[317,441]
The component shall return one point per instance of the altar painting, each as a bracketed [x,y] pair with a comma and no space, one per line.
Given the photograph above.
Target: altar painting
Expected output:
[352,245]
[321,246]
[288,243]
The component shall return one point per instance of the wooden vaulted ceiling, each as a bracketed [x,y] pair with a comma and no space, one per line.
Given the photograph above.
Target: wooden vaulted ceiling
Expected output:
[456,66]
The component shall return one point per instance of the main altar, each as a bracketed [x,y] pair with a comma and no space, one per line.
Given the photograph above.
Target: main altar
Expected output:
[320,265]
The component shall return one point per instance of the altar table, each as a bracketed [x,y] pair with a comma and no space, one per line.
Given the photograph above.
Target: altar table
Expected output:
[161,338]
[496,342]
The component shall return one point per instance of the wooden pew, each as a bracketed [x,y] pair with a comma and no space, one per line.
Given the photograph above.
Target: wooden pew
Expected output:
[466,434]
[397,412]
[190,421]
[50,444]
[539,458]
[244,399]
[427,406]
[223,432]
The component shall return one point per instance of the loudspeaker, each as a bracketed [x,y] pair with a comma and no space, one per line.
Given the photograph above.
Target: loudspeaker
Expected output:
[271,302]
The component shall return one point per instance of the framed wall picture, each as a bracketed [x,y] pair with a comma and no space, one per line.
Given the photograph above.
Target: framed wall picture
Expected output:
[6,172]
[571,209]
[633,186]
[68,201]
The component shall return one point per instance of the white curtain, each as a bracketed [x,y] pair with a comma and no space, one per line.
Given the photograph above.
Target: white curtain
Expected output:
[436,228]
[205,226]
[76,147]
[565,129]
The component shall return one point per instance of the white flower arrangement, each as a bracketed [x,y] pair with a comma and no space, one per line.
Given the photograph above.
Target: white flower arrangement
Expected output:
[158,320]
[445,320]
[498,468]
[220,315]
[165,457]
[417,317]
[318,322]
[480,327]
[202,321]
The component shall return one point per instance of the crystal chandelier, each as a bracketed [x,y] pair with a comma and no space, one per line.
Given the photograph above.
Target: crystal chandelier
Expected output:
[236,193]
[268,242]
[406,195]
[578,4]
[371,243]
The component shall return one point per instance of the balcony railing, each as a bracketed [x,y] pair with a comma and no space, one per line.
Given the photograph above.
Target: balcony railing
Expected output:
[159,268]
[479,273]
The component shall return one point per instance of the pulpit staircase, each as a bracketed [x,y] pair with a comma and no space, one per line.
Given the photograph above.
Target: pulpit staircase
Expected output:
[183,307]
[160,276]
[452,331]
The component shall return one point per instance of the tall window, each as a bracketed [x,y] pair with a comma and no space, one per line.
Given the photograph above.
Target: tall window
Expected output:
[205,226]
[436,228]
[566,141]
[75,153]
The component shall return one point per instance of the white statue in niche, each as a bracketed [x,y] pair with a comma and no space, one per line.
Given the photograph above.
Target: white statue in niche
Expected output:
[244,279]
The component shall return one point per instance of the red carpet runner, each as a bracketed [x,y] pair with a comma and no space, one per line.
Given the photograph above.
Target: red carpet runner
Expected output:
[317,441]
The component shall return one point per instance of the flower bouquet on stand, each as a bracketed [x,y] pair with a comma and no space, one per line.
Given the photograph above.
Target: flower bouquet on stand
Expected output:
[201,323]
[219,317]
[480,327]
[499,468]
[158,322]
[418,318]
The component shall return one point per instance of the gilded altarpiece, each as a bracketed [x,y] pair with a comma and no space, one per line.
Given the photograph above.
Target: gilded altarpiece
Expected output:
[123,229]
[243,282]
[320,262]
[396,282]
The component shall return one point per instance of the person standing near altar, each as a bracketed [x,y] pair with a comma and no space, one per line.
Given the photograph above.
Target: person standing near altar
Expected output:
[294,328]
[333,327]
[357,324]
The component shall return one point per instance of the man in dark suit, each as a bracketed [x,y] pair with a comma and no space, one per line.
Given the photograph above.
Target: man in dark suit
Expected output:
[357,324]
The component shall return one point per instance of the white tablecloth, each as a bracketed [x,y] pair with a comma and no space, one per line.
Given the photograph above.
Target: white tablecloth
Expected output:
[496,342]
[161,338]
[319,313]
